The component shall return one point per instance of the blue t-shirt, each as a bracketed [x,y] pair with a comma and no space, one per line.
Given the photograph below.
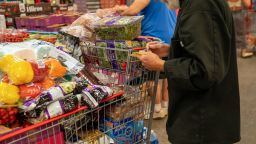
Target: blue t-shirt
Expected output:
[158,21]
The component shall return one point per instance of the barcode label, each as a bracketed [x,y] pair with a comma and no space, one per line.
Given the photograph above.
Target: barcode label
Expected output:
[40,64]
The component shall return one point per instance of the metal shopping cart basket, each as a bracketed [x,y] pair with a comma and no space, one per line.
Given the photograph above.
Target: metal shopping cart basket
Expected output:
[118,119]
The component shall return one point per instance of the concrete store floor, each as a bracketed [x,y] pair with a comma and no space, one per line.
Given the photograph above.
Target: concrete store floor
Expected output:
[247,77]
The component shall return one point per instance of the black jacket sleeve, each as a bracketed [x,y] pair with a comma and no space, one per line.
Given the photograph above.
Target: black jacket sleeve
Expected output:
[207,44]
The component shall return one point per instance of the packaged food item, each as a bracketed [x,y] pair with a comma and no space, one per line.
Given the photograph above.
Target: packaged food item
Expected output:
[81,84]
[90,77]
[8,115]
[19,71]
[49,96]
[55,68]
[94,137]
[48,83]
[101,92]
[123,131]
[93,96]
[9,94]
[32,90]
[72,65]
[87,20]
[62,106]
[27,54]
[68,87]
[40,70]
[12,35]
[119,28]
[109,12]
[89,99]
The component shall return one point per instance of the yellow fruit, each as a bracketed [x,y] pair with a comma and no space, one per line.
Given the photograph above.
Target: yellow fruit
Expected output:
[20,72]
[5,62]
[9,94]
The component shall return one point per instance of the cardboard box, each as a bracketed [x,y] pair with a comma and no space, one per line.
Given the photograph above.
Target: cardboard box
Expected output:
[124,131]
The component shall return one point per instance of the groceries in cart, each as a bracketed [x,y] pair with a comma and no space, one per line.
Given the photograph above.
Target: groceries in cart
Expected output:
[119,28]
[45,87]
[85,88]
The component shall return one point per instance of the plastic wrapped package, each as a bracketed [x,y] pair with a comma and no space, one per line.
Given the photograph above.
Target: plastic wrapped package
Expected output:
[119,28]
[40,70]
[9,94]
[13,35]
[93,96]
[55,68]
[19,71]
[62,106]
[43,50]
[78,31]
[29,91]
[83,27]
[102,13]
[49,96]
[87,20]
[48,83]
[26,54]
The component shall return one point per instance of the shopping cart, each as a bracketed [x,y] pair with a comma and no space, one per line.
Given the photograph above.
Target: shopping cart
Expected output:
[118,119]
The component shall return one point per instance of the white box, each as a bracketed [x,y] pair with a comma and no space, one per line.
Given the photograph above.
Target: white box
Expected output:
[2,22]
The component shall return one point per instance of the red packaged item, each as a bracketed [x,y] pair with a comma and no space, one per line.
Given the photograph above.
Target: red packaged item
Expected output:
[10,35]
[8,115]
[40,71]
[30,90]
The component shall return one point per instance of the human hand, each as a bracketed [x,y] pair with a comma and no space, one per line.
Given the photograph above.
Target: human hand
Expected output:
[120,8]
[151,61]
[159,48]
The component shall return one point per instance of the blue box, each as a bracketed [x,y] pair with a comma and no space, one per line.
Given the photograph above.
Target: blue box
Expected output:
[125,131]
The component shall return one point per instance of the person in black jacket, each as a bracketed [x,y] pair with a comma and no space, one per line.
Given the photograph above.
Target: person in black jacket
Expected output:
[204,103]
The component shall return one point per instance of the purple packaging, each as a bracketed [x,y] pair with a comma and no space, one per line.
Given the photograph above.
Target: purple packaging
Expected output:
[112,55]
[50,20]
[32,21]
[56,19]
[68,19]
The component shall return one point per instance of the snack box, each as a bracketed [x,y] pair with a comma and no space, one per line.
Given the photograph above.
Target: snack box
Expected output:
[124,131]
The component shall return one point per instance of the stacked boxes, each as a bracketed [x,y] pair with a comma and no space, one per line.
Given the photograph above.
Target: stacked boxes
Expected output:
[45,22]
[13,10]
[126,131]
[123,122]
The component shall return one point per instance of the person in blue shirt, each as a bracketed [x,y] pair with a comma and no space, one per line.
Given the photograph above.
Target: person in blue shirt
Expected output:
[159,21]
